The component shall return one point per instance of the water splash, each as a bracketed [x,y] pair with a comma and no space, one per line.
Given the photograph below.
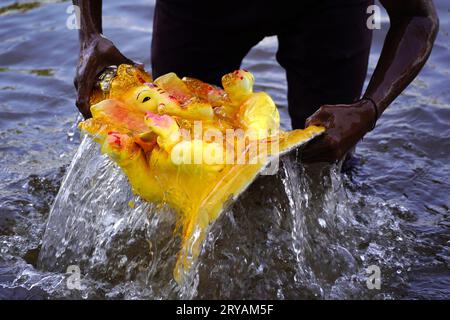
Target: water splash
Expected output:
[92,225]
[301,233]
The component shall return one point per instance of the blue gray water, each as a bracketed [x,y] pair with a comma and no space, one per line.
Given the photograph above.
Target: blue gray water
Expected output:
[309,232]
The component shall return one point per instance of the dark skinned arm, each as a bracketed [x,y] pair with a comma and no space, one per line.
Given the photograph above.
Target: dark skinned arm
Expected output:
[408,44]
[96,52]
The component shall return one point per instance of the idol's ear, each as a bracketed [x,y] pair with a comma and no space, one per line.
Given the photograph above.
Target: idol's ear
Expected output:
[119,116]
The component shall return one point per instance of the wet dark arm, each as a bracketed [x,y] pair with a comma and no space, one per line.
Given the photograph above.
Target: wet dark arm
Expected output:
[96,52]
[408,44]
[90,19]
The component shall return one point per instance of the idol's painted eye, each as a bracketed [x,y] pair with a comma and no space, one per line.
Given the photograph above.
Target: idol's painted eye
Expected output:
[146,99]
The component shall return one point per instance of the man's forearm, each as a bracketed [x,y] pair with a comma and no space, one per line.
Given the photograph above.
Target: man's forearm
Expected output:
[408,44]
[90,18]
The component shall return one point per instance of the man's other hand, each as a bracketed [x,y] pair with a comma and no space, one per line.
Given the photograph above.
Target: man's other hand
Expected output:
[345,125]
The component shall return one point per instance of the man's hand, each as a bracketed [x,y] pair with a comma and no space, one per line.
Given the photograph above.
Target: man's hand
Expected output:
[95,55]
[345,125]
[408,44]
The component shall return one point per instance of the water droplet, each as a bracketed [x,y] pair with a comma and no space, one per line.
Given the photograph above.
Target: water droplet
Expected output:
[322,223]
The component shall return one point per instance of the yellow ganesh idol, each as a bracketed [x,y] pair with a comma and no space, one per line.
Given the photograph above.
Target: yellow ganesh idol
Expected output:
[188,144]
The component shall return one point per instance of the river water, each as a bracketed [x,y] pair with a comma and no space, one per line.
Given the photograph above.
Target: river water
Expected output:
[308,232]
